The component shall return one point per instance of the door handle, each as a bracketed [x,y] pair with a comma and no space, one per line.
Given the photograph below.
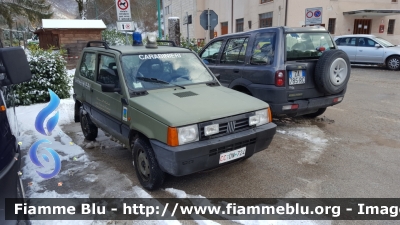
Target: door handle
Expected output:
[91,89]
[360,50]
[236,71]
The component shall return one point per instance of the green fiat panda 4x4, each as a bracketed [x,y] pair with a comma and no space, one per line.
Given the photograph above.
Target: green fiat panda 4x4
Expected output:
[166,105]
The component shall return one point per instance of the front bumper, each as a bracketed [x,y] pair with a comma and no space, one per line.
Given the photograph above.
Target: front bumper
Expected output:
[203,155]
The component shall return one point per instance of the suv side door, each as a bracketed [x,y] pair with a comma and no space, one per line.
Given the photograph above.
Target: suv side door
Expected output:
[230,65]
[107,106]
[367,52]
[260,58]
[348,45]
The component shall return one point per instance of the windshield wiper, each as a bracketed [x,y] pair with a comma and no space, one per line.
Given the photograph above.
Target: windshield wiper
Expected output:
[155,80]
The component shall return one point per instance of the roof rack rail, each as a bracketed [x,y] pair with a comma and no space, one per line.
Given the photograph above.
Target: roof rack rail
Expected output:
[98,42]
[170,42]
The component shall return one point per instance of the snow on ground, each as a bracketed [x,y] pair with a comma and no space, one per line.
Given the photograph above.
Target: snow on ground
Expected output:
[74,160]
[314,138]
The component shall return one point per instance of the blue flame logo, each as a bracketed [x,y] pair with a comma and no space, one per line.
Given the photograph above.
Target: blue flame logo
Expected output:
[45,112]
[51,124]
[35,160]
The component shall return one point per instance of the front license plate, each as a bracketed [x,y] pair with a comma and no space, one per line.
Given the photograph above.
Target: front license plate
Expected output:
[297,77]
[232,155]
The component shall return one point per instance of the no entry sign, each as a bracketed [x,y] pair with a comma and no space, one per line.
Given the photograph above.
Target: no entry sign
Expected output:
[123,9]
[313,16]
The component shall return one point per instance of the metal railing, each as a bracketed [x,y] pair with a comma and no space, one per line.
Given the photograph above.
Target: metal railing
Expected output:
[12,38]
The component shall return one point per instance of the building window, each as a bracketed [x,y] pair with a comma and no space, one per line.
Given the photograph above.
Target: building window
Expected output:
[167,10]
[239,25]
[266,19]
[331,25]
[395,1]
[224,28]
[390,29]
[265,1]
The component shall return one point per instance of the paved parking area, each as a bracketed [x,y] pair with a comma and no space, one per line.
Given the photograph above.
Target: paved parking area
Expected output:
[353,150]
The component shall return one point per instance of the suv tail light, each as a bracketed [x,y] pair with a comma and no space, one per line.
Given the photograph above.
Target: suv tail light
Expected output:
[280,78]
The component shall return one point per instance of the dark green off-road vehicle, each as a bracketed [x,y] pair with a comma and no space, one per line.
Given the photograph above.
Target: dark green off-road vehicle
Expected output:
[166,105]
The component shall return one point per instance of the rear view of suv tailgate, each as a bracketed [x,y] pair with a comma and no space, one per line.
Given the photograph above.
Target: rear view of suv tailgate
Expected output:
[297,71]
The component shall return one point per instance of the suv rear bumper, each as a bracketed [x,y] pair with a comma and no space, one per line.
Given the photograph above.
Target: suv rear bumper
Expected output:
[203,155]
[305,106]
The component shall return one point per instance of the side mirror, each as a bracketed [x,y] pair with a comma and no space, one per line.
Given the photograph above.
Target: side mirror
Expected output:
[218,76]
[109,88]
[378,45]
[15,65]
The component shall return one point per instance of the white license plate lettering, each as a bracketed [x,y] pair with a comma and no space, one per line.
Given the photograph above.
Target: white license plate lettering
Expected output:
[232,155]
[297,77]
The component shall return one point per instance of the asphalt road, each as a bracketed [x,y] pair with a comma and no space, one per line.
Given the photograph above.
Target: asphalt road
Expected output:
[350,151]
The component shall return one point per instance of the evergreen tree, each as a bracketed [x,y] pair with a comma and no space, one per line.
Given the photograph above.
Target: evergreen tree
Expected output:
[34,10]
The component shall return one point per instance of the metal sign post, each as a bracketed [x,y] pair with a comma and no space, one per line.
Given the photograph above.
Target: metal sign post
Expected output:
[187,20]
[187,27]
[125,26]
[209,25]
[124,16]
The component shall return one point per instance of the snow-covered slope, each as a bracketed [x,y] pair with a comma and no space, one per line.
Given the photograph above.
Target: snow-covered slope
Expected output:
[65,9]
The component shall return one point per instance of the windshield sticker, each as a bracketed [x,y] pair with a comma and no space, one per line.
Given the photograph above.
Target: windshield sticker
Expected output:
[137,85]
[125,113]
[160,56]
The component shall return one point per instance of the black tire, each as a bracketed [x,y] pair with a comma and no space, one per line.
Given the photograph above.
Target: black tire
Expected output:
[77,117]
[146,166]
[315,114]
[393,63]
[89,130]
[332,71]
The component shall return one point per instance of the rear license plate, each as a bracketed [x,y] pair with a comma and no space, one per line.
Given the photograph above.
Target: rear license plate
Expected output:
[297,77]
[232,155]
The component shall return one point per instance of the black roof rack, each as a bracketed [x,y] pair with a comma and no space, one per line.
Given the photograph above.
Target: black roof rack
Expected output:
[98,42]
[170,42]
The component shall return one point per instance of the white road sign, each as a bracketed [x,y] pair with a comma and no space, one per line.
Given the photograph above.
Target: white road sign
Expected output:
[313,16]
[123,9]
[125,25]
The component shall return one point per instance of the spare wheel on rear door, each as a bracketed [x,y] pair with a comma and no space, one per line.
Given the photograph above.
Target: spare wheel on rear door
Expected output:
[332,71]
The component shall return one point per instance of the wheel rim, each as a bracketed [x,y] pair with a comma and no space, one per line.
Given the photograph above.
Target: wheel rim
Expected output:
[143,165]
[394,63]
[85,126]
[338,71]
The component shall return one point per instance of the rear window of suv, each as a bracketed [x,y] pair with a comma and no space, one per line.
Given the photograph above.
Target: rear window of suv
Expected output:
[306,45]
